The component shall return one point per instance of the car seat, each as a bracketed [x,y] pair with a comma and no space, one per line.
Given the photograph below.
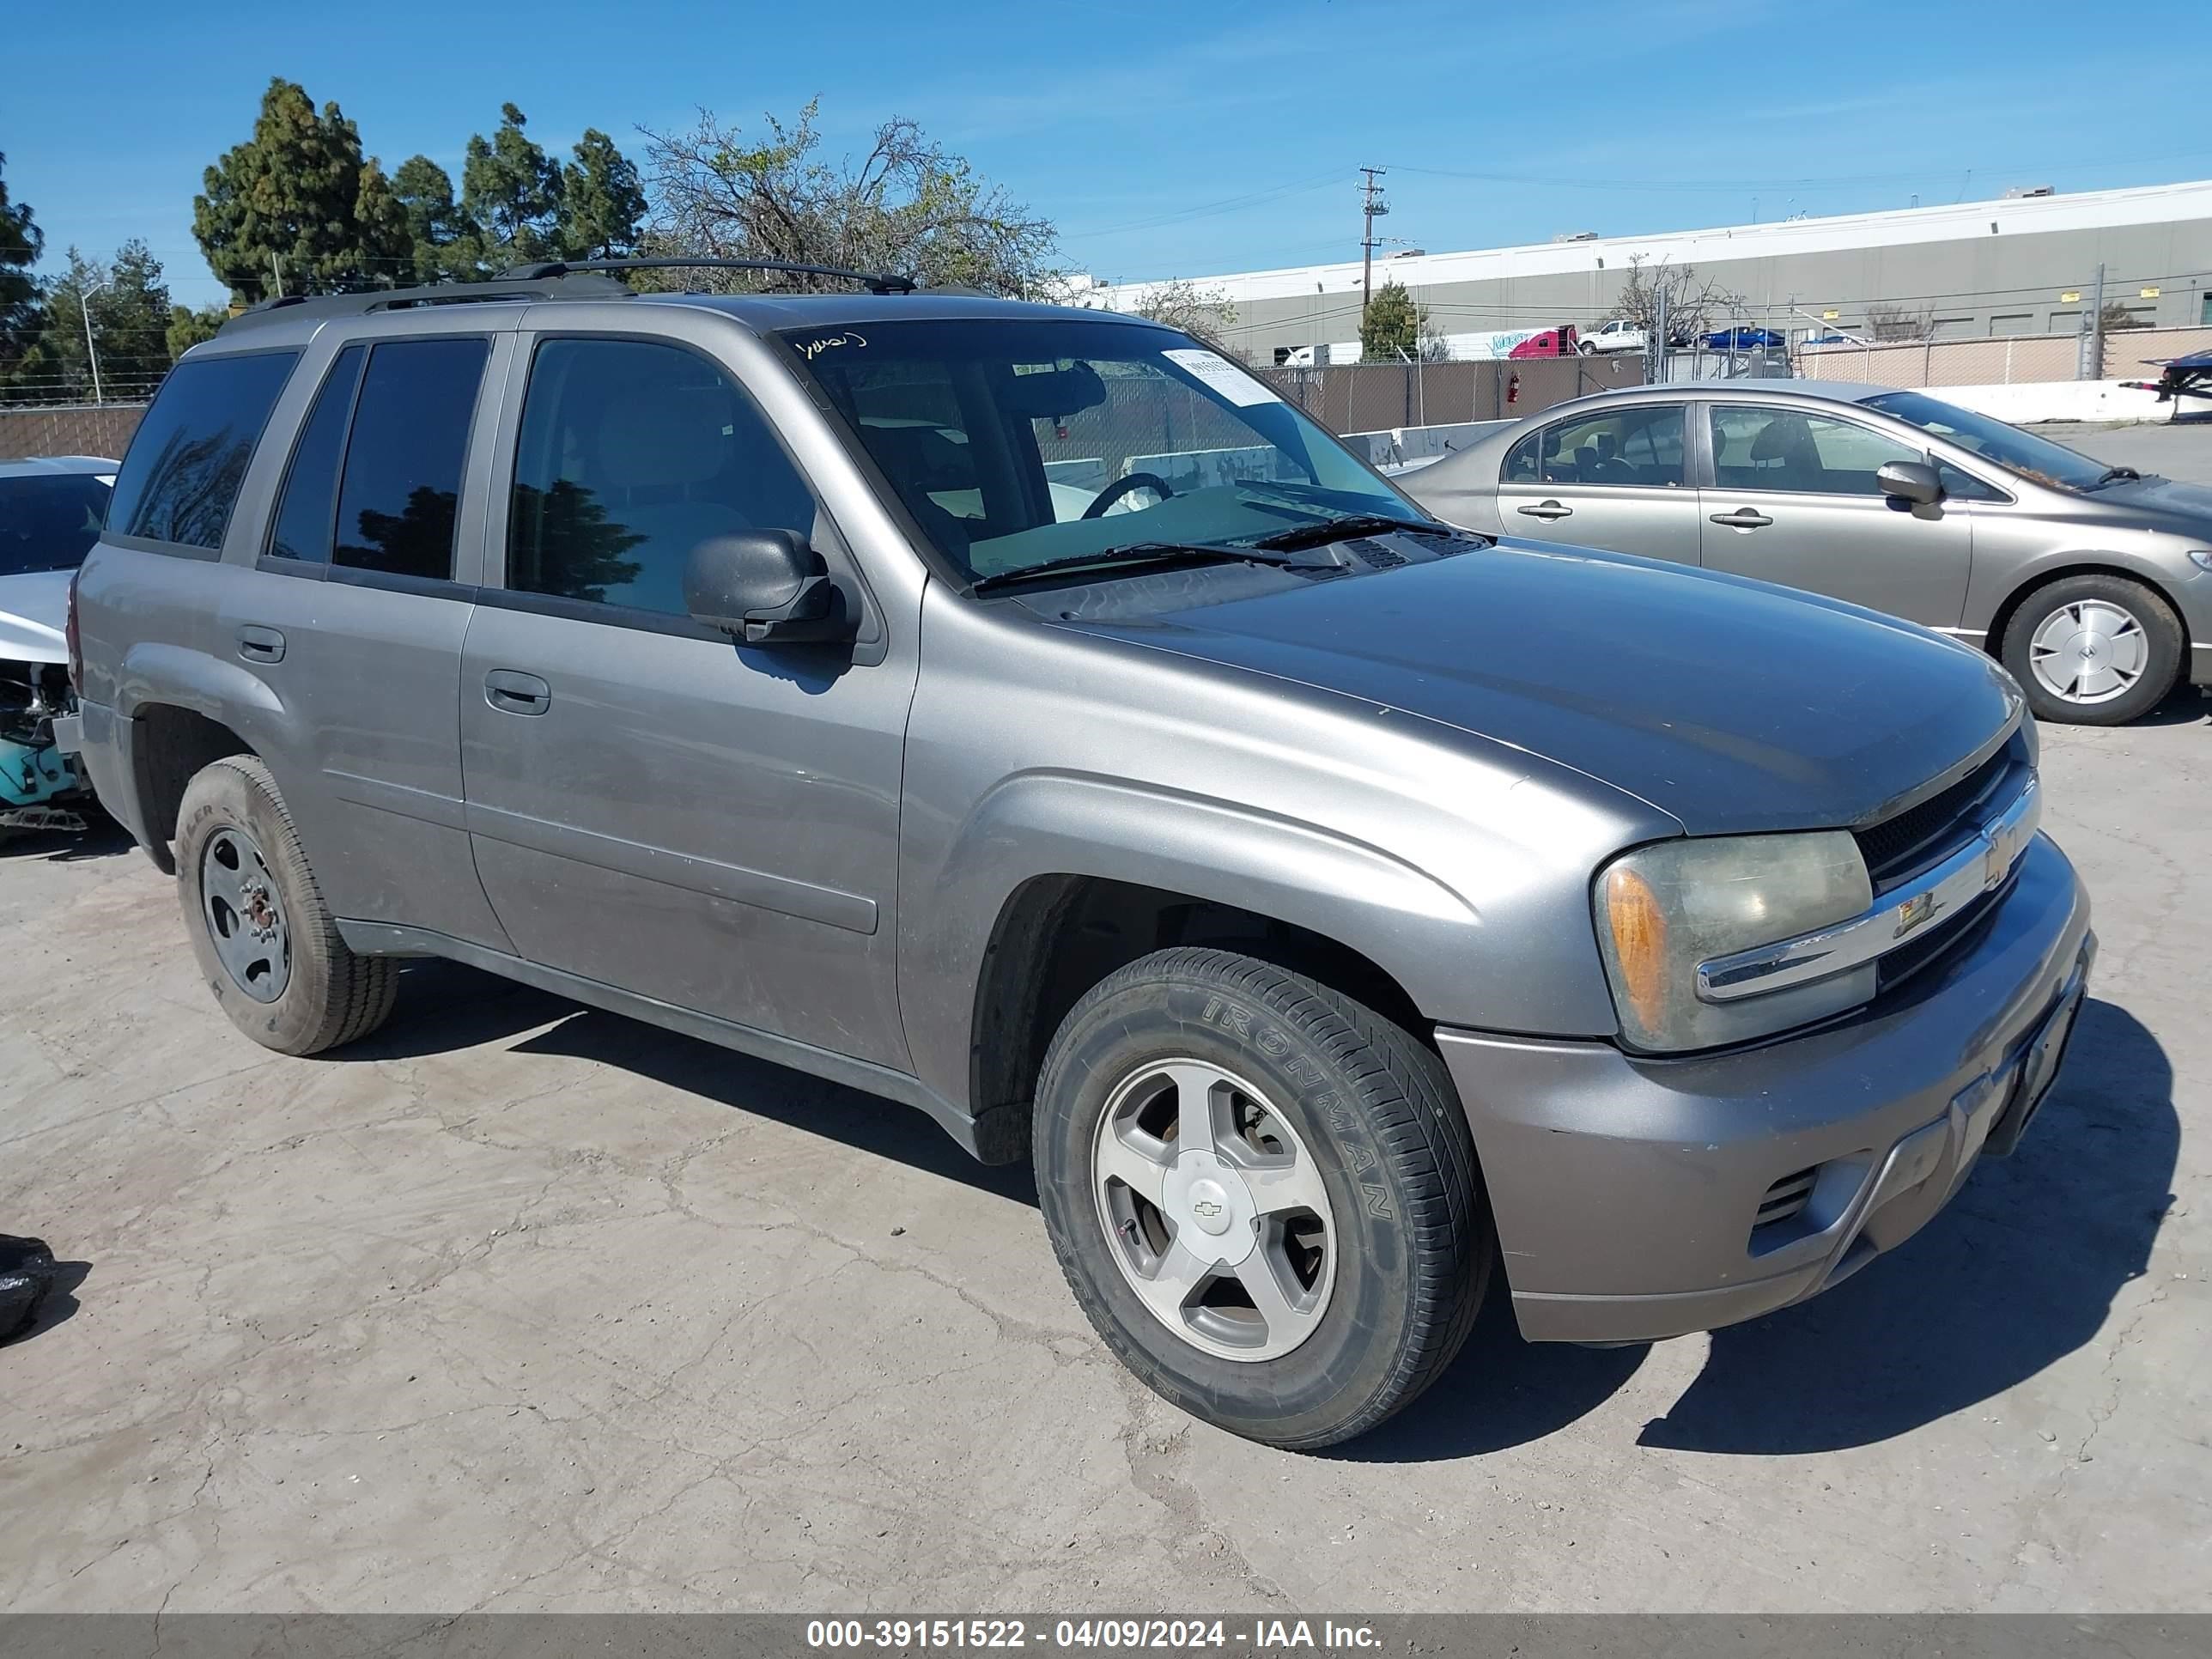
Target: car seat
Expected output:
[1783,455]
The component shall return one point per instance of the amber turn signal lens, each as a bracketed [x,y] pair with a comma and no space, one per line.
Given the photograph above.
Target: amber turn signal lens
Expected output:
[1639,942]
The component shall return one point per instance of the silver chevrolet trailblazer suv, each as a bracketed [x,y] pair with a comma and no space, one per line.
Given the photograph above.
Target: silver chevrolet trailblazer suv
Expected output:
[1027,714]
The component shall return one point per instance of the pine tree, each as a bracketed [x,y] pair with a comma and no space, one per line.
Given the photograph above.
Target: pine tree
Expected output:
[443,238]
[1393,325]
[602,205]
[298,208]
[21,245]
[511,192]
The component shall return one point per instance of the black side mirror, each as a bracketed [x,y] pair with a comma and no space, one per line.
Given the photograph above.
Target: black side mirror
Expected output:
[765,585]
[1910,481]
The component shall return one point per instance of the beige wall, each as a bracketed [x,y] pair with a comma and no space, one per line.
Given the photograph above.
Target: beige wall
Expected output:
[2015,360]
[80,430]
[1382,397]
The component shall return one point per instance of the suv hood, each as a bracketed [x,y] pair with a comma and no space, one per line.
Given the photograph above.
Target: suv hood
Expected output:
[34,611]
[1731,705]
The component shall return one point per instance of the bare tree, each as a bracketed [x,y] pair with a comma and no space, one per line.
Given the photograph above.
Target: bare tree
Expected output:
[906,206]
[1204,313]
[1695,304]
[1887,322]
[2116,316]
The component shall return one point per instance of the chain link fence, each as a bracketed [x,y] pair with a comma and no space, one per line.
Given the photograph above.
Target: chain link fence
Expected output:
[68,429]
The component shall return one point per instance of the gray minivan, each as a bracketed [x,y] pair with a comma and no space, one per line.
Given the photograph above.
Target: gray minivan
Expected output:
[1026,715]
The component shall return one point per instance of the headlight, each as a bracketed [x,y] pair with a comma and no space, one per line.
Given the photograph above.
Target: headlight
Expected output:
[2201,557]
[1665,909]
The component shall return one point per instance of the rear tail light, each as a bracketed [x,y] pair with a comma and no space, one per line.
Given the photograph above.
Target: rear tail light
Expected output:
[73,645]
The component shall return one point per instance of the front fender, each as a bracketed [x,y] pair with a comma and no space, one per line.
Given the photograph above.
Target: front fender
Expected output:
[1428,936]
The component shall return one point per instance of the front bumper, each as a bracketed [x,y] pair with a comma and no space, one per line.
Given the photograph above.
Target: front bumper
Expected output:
[1627,1191]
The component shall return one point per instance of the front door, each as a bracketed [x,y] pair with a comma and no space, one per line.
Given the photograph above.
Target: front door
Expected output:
[1616,478]
[653,806]
[1794,500]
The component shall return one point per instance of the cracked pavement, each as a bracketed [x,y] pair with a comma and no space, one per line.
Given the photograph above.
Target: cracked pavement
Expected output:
[521,1307]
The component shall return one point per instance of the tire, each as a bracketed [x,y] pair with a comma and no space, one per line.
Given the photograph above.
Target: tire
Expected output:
[2114,641]
[294,987]
[1365,1111]
[1588,348]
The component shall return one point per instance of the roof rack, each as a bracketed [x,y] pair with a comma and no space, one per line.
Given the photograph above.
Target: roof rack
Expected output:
[874,282]
[506,288]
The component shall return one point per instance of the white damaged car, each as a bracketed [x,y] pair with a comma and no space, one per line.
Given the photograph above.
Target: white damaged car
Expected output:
[50,512]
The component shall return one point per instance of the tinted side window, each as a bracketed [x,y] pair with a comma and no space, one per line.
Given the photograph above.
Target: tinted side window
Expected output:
[1962,486]
[180,478]
[631,453]
[309,505]
[402,484]
[1787,449]
[1520,461]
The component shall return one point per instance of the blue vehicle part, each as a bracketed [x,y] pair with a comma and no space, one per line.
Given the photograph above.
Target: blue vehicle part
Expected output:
[30,775]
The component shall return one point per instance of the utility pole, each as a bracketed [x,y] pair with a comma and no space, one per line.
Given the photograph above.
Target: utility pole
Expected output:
[2092,364]
[84,301]
[1374,207]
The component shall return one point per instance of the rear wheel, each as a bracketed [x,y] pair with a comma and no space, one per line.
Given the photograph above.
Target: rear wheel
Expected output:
[266,942]
[2094,650]
[1263,1195]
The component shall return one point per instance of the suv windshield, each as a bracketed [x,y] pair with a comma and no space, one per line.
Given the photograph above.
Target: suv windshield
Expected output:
[50,520]
[2020,452]
[1017,444]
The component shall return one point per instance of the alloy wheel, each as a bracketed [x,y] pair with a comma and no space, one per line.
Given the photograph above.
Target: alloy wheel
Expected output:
[1214,1210]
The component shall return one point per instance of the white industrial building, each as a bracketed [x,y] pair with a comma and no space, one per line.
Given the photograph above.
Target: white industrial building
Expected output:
[2024,265]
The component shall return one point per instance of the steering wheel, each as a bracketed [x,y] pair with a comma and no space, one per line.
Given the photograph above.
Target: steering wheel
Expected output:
[1122,486]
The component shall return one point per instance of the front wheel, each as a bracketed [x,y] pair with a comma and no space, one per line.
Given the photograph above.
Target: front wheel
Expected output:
[1263,1195]
[2094,650]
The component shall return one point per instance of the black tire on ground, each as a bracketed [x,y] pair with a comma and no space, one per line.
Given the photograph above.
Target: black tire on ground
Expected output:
[332,995]
[1588,348]
[2161,630]
[1412,1243]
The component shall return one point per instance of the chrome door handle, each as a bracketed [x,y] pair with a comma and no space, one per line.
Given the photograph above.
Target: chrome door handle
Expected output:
[1742,519]
[259,644]
[1548,510]
[511,693]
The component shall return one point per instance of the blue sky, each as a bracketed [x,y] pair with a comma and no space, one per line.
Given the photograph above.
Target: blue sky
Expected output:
[1168,139]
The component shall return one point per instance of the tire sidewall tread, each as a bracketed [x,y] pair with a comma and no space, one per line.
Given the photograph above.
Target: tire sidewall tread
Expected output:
[334,996]
[2168,641]
[1376,1112]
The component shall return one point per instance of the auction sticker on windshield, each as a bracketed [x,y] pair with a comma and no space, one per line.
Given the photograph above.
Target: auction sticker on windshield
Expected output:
[1220,376]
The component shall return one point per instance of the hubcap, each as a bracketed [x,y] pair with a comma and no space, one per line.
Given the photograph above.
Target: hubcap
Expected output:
[2090,651]
[245,915]
[1214,1211]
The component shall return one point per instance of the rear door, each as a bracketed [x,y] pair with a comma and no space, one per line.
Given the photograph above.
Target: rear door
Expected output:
[652,804]
[1616,476]
[354,612]
[1794,500]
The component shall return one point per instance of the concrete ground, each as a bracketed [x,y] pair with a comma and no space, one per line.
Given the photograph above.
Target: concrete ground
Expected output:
[521,1307]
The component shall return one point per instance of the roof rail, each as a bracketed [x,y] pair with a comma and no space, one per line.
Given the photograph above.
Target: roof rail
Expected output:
[874,282]
[503,289]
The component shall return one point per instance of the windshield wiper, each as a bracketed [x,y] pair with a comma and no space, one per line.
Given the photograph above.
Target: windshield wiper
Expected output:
[2117,475]
[1153,553]
[1344,528]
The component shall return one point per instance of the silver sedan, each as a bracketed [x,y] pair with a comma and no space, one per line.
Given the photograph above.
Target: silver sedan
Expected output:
[2092,584]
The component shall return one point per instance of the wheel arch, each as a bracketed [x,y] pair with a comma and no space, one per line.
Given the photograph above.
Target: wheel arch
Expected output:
[2066,565]
[1059,934]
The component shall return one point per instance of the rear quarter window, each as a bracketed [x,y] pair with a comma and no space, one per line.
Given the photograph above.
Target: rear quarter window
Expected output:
[180,478]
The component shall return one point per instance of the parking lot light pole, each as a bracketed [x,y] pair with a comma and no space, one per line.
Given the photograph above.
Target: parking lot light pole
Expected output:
[84,303]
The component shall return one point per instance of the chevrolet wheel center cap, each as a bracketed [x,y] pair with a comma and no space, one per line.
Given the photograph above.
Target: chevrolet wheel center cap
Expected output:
[1209,1207]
